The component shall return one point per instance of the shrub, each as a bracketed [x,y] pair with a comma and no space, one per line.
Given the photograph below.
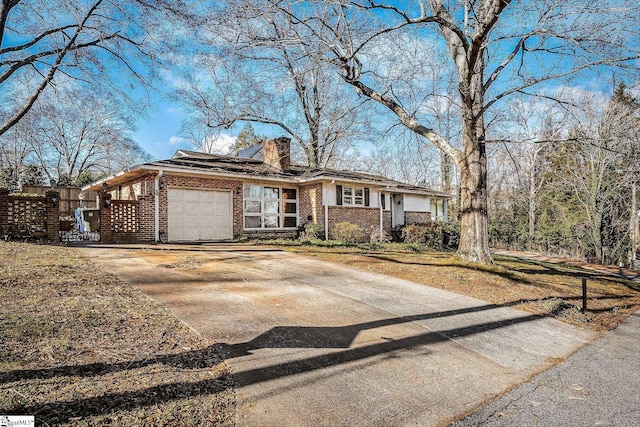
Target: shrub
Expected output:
[374,236]
[348,232]
[439,236]
[309,231]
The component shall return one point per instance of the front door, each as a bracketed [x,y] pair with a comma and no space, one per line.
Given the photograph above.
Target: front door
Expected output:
[397,210]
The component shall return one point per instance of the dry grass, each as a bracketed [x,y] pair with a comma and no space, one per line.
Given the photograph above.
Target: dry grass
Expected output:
[537,287]
[79,347]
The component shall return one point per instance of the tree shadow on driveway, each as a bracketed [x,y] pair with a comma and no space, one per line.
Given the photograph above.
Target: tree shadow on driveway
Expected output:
[340,338]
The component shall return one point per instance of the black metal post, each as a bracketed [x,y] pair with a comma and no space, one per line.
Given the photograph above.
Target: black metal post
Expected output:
[584,294]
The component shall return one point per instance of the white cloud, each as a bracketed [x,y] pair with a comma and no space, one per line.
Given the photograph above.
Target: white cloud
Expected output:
[171,79]
[178,140]
[219,144]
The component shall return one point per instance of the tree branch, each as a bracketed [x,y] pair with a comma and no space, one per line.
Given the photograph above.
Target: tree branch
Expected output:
[35,40]
[22,111]
[539,80]
[405,118]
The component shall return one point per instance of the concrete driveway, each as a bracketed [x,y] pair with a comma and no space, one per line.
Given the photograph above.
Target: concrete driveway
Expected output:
[312,343]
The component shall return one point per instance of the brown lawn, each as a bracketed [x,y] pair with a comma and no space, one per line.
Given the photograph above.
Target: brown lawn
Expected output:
[534,286]
[80,347]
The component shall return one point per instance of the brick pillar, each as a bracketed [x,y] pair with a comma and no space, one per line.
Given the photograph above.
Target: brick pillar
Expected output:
[4,211]
[104,203]
[52,211]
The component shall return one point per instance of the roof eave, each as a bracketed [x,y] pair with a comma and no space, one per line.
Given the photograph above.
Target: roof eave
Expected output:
[155,167]
[381,185]
[96,186]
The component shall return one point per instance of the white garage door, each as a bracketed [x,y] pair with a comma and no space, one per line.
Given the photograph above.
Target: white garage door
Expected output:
[199,215]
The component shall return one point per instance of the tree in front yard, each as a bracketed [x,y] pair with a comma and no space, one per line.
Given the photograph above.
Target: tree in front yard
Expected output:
[495,48]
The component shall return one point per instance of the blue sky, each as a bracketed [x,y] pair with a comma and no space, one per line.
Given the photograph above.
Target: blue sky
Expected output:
[158,132]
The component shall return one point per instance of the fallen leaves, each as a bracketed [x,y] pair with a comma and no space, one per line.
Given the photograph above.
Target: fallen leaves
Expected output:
[80,347]
[537,287]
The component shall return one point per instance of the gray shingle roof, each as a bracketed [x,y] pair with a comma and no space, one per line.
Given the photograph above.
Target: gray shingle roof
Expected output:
[250,167]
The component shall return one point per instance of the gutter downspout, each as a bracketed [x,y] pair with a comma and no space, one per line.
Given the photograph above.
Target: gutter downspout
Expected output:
[156,190]
[380,196]
[326,212]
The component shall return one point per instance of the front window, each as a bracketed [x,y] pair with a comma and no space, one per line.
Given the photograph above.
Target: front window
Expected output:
[270,207]
[353,196]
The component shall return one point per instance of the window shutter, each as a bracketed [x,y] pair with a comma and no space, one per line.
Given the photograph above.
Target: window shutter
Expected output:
[383,200]
[366,196]
[339,195]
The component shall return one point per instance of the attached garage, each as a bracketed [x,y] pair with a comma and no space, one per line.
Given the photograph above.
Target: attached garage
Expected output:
[199,215]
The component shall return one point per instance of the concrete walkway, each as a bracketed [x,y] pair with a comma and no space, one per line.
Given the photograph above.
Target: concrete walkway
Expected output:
[599,385]
[312,343]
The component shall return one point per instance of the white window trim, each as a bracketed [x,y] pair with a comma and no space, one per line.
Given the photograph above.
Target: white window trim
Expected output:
[281,214]
[352,196]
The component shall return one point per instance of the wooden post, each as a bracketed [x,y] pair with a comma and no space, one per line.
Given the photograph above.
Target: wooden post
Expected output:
[584,295]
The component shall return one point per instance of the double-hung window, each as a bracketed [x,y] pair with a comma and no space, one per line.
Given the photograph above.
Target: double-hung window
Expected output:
[270,207]
[352,196]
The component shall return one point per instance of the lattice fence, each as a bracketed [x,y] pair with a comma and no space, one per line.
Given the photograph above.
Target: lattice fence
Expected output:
[27,215]
[124,216]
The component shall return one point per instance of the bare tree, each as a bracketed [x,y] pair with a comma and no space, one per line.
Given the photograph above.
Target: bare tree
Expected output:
[497,48]
[15,150]
[428,90]
[73,132]
[405,159]
[518,156]
[96,42]
[287,87]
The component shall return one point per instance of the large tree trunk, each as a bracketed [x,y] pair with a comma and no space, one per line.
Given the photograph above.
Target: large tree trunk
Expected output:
[474,224]
[474,221]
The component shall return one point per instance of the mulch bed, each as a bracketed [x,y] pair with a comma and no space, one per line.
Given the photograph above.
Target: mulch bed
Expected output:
[79,347]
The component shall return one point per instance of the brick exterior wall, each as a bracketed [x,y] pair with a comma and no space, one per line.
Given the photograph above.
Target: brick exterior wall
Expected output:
[105,217]
[269,234]
[146,202]
[416,217]
[367,218]
[140,189]
[119,219]
[34,214]
[200,183]
[146,212]
[4,211]
[276,152]
[386,221]
[310,207]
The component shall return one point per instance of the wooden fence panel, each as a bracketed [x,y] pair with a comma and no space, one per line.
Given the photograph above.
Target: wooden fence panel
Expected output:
[69,197]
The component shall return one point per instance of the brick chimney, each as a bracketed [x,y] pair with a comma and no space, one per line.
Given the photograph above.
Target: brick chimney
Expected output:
[277,153]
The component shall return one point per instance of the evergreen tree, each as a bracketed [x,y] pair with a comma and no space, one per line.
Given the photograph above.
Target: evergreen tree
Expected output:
[247,138]
[8,179]
[32,175]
